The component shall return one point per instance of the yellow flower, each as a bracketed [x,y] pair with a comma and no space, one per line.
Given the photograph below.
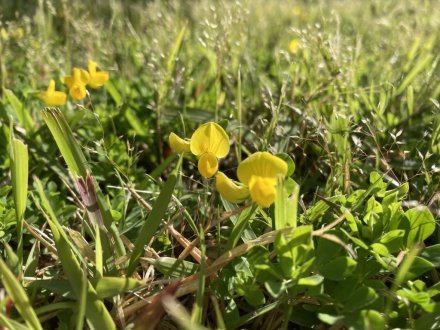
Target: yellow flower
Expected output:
[51,97]
[209,142]
[293,46]
[96,78]
[230,190]
[259,173]
[178,144]
[77,83]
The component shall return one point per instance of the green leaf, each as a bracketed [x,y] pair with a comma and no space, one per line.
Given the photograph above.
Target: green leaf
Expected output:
[107,287]
[378,186]
[23,117]
[366,319]
[429,321]
[313,280]
[393,240]
[419,298]
[418,267]
[231,313]
[254,295]
[327,250]
[339,268]
[432,254]
[361,297]
[275,288]
[380,249]
[174,267]
[116,96]
[289,161]
[329,319]
[19,297]
[419,224]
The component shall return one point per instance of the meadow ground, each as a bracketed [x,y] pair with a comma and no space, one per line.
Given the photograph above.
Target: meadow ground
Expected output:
[219,164]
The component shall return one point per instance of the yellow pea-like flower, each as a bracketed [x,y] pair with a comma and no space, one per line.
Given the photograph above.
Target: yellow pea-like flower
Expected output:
[51,97]
[77,83]
[178,144]
[96,78]
[259,173]
[231,191]
[209,142]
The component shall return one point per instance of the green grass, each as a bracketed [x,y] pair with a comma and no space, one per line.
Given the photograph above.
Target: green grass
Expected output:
[102,225]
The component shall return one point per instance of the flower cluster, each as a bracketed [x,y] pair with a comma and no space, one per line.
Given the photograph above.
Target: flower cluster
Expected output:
[258,174]
[76,83]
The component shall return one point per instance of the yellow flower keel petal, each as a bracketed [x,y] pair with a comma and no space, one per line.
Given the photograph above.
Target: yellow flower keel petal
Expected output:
[77,83]
[208,164]
[229,190]
[178,144]
[78,91]
[262,190]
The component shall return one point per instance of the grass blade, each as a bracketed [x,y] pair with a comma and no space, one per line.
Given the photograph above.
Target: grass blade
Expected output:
[19,172]
[154,218]
[66,142]
[11,324]
[240,226]
[23,117]
[19,297]
[197,312]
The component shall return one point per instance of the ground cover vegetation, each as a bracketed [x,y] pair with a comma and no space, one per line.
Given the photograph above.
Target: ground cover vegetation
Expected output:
[219,164]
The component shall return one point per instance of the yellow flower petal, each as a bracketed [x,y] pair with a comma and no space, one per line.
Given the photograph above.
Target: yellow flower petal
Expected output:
[229,190]
[208,164]
[96,78]
[51,97]
[51,86]
[77,83]
[83,75]
[92,66]
[262,190]
[78,91]
[261,164]
[178,144]
[68,80]
[210,138]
